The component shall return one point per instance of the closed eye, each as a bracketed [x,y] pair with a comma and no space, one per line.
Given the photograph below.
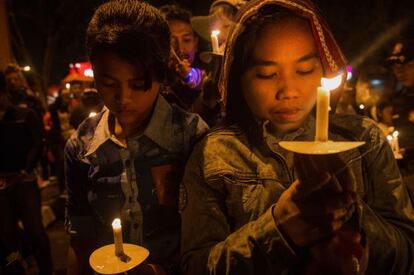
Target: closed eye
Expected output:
[138,85]
[266,76]
[305,72]
[107,84]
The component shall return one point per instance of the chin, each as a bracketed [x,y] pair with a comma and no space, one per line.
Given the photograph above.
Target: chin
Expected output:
[286,127]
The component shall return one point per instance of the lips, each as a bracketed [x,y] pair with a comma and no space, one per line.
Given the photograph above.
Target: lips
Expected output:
[287,113]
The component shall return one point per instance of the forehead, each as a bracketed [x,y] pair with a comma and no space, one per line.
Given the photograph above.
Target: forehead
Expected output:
[180,27]
[108,63]
[285,40]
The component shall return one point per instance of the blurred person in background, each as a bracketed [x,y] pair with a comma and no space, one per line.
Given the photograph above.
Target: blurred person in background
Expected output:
[90,104]
[21,142]
[373,85]
[401,64]
[385,113]
[19,91]
[220,18]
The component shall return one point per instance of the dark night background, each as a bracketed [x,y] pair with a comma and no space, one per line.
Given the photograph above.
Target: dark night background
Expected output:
[49,34]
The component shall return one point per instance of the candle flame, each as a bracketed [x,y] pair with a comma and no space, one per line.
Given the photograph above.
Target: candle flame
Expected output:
[331,83]
[116,223]
[395,134]
[215,32]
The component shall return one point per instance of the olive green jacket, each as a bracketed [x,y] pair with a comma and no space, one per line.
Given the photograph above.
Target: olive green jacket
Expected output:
[234,178]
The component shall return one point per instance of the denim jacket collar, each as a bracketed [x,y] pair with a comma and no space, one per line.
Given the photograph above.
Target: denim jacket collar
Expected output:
[159,127]
[305,132]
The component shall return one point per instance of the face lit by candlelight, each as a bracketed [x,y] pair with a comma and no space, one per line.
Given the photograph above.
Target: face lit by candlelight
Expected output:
[122,88]
[280,85]
[184,41]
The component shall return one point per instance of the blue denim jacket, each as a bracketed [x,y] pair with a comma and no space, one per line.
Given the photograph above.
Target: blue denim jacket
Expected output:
[138,183]
[235,177]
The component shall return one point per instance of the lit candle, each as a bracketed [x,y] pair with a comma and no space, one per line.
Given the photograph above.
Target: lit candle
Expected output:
[322,106]
[214,41]
[396,143]
[117,228]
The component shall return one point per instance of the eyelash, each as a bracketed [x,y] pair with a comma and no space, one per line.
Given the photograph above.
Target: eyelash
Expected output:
[305,72]
[261,76]
[107,85]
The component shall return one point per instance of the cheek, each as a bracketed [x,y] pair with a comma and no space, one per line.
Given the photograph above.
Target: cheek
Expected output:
[107,97]
[258,96]
[144,100]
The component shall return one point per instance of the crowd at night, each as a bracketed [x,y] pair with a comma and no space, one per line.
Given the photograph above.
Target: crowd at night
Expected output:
[206,137]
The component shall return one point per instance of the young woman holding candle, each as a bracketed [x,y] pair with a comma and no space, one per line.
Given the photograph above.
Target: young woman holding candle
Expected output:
[260,209]
[126,162]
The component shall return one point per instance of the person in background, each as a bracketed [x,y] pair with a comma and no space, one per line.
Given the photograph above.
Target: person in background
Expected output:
[401,63]
[90,104]
[21,143]
[19,92]
[127,161]
[186,79]
[220,18]
[260,209]
[385,112]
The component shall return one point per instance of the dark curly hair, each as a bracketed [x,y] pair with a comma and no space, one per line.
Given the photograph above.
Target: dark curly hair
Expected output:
[174,12]
[136,32]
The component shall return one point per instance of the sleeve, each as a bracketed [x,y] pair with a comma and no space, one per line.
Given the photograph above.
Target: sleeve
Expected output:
[78,215]
[209,246]
[35,129]
[387,215]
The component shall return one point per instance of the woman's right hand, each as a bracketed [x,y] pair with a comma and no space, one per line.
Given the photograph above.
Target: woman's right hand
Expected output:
[318,203]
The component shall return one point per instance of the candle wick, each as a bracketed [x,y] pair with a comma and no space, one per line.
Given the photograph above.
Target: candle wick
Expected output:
[124,257]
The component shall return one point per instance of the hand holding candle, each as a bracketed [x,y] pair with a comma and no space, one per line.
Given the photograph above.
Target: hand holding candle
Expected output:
[214,41]
[117,229]
[322,106]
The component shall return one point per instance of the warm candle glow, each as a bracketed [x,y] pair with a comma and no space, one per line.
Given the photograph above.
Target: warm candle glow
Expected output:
[117,229]
[322,106]
[214,41]
[331,83]
[116,223]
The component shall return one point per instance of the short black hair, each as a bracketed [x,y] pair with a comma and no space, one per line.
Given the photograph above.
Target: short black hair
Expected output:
[136,32]
[175,12]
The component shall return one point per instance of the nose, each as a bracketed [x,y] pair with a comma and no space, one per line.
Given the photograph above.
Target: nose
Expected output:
[287,88]
[123,95]
[182,48]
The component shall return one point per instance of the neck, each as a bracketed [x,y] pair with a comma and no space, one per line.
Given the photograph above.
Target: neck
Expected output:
[123,131]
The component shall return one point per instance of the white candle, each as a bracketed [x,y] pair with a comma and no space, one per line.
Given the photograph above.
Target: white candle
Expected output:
[117,229]
[322,106]
[214,41]
[322,114]
[396,143]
